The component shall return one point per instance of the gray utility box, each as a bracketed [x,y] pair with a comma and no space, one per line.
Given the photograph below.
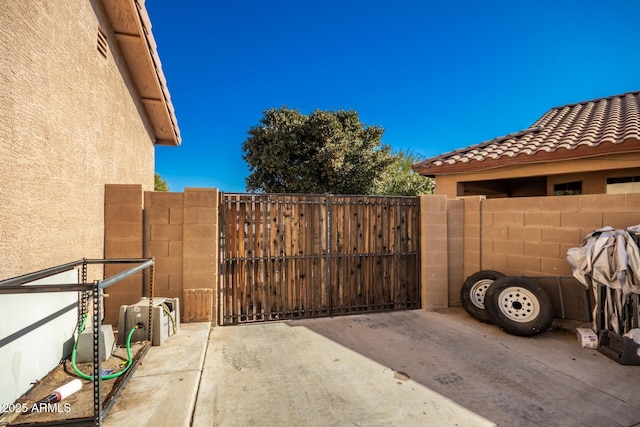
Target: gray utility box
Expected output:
[166,320]
[84,349]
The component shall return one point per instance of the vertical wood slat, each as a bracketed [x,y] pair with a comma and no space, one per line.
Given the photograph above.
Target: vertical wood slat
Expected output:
[341,247]
[308,274]
[353,260]
[293,278]
[275,255]
[333,241]
[357,250]
[324,249]
[368,230]
[266,265]
[346,281]
[232,243]
[286,252]
[343,268]
[275,267]
[397,244]
[305,225]
[257,253]
[198,305]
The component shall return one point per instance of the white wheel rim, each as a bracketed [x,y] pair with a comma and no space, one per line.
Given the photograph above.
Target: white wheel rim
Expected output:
[518,304]
[478,291]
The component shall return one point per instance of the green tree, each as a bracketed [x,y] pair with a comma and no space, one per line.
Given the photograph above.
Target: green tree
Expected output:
[323,152]
[160,184]
[399,179]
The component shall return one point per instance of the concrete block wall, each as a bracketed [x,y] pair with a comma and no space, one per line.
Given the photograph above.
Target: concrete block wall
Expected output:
[455,249]
[434,255]
[122,239]
[472,217]
[200,238]
[163,222]
[531,236]
[458,237]
[181,232]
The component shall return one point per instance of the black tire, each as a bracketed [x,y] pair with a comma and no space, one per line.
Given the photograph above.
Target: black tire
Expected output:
[473,292]
[519,306]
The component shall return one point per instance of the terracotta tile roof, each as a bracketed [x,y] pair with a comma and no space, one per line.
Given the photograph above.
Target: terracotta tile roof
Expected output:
[586,129]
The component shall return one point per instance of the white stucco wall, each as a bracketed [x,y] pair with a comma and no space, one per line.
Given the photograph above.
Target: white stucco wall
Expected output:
[29,357]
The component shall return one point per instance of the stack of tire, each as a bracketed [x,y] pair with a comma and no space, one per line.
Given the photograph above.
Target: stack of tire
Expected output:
[517,305]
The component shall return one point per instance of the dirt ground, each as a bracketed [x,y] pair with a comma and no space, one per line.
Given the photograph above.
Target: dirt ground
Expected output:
[79,404]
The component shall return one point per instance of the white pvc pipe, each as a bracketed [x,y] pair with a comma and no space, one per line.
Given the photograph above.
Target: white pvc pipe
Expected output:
[67,390]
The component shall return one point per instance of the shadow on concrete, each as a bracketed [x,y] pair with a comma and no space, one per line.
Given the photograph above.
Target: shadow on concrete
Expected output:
[513,381]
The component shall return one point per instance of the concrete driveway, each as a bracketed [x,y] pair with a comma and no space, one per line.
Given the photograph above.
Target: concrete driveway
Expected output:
[408,368]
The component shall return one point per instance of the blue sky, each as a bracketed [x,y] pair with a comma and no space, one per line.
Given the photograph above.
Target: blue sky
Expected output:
[437,76]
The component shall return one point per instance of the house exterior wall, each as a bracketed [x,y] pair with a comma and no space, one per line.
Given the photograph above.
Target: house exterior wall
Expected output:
[593,172]
[593,182]
[70,122]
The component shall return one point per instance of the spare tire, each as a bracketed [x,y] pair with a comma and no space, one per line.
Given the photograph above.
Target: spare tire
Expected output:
[473,293]
[519,306]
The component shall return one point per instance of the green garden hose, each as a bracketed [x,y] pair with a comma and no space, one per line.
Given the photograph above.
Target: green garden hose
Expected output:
[104,377]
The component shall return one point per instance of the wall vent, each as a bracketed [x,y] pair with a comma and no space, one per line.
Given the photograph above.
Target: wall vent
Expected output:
[102,43]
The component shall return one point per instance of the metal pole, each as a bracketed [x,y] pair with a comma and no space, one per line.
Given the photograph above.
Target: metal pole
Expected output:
[561,296]
[83,295]
[30,277]
[328,282]
[117,277]
[150,328]
[97,377]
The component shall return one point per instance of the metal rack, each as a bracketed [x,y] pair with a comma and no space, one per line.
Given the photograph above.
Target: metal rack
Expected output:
[87,291]
[612,342]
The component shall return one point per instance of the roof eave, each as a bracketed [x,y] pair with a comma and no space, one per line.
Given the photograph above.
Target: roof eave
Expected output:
[592,127]
[428,162]
[132,29]
[579,152]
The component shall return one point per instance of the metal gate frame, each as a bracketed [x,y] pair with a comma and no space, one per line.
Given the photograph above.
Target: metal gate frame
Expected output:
[285,256]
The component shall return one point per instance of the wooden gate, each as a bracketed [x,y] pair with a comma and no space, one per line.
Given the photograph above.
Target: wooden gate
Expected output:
[293,256]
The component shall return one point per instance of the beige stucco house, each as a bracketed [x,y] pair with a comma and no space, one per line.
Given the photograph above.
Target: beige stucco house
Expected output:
[83,103]
[591,147]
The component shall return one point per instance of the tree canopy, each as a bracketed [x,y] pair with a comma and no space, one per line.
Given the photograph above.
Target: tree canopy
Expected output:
[160,184]
[399,179]
[323,152]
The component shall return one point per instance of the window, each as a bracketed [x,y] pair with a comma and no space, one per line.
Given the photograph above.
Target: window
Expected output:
[623,180]
[625,184]
[567,188]
[511,187]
